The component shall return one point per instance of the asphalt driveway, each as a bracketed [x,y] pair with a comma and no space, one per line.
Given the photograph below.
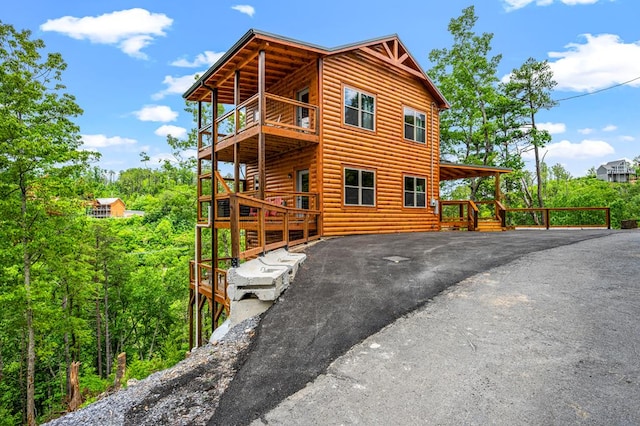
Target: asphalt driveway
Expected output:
[350,288]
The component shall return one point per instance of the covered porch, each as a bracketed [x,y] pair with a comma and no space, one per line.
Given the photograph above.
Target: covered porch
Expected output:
[466,214]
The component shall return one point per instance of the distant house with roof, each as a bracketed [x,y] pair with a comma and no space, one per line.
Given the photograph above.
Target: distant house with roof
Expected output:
[107,207]
[617,171]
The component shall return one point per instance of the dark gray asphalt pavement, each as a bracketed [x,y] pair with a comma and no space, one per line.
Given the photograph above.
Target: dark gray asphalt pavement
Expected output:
[347,291]
[552,338]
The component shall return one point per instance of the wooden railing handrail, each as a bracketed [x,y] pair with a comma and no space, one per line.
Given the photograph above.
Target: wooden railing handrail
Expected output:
[290,101]
[548,210]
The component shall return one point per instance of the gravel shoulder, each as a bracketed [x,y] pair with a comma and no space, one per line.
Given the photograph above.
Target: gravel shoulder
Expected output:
[185,394]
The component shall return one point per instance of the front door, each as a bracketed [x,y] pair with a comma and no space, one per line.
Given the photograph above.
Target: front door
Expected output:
[302,185]
[302,113]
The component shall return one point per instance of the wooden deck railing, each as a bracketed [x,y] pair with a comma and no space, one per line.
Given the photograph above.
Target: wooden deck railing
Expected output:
[257,226]
[281,112]
[559,217]
[459,214]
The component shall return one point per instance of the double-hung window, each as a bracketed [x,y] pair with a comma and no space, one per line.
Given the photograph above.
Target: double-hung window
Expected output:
[359,109]
[359,187]
[415,194]
[414,125]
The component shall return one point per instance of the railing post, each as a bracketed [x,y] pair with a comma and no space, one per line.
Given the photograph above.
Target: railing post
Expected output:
[306,227]
[262,229]
[234,218]
[286,228]
[608,214]
[546,218]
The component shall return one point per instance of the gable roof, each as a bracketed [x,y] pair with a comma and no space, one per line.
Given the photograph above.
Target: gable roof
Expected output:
[291,55]
[614,163]
[107,201]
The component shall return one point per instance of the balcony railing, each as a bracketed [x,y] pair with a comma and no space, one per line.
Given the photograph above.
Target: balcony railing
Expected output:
[258,226]
[280,112]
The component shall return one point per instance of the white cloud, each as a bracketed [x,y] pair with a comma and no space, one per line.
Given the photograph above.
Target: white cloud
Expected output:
[161,113]
[164,156]
[510,5]
[582,150]
[602,61]
[206,58]
[175,85]
[552,128]
[102,141]
[244,8]
[585,131]
[627,138]
[610,128]
[175,131]
[131,30]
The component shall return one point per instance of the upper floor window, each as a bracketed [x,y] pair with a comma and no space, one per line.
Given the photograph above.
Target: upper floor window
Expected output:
[414,125]
[359,187]
[415,191]
[359,109]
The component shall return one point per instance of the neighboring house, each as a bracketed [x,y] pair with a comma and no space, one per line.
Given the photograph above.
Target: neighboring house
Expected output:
[107,207]
[348,136]
[617,171]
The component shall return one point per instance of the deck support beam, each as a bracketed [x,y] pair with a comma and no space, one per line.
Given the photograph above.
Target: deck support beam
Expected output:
[262,174]
[236,147]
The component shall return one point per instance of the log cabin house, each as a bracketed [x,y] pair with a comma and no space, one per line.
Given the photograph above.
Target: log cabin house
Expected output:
[323,142]
[107,207]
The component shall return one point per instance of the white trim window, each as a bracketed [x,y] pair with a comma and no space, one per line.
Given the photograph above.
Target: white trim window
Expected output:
[359,187]
[414,125]
[359,109]
[415,191]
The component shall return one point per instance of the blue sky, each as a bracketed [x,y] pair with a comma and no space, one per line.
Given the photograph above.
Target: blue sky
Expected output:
[129,61]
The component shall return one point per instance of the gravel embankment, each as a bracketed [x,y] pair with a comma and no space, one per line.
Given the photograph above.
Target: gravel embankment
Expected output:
[186,394]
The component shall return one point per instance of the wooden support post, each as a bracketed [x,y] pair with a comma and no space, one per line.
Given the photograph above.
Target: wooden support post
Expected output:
[190,314]
[214,182]
[236,147]
[608,214]
[234,213]
[498,193]
[203,300]
[262,174]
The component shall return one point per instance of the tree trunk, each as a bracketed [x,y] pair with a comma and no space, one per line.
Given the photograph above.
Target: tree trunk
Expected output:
[122,363]
[31,344]
[96,280]
[67,355]
[99,338]
[107,336]
[537,154]
[76,399]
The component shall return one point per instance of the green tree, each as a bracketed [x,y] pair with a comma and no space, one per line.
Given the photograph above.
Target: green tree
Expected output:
[531,85]
[38,153]
[467,76]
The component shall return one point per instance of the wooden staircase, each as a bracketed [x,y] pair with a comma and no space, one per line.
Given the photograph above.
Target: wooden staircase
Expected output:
[489,225]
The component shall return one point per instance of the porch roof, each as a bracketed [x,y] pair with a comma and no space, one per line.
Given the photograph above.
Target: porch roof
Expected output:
[453,171]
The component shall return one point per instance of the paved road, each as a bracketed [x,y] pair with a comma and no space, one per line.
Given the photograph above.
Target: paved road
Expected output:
[551,338]
[347,291]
